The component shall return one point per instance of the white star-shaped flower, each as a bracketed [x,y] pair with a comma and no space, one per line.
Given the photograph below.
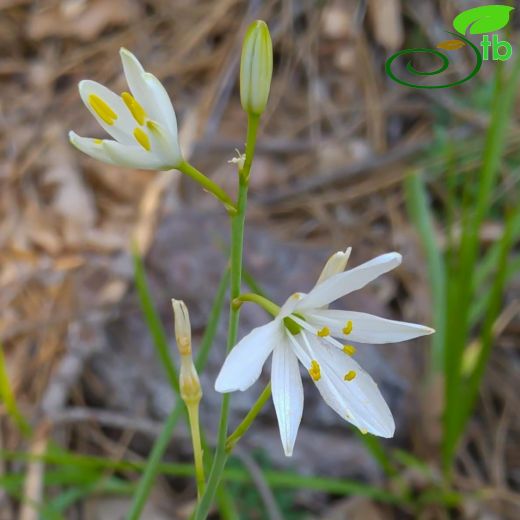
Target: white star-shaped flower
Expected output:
[142,121]
[306,330]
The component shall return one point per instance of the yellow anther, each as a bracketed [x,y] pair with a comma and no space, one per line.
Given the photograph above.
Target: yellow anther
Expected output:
[347,329]
[135,108]
[324,332]
[351,374]
[295,296]
[142,138]
[363,431]
[98,141]
[315,371]
[349,349]
[102,109]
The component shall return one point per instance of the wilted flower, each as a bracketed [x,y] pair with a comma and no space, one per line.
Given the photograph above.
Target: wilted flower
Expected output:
[142,121]
[189,383]
[305,330]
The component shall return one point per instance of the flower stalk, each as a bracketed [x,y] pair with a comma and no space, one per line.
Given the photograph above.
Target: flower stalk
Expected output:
[236,254]
[262,301]
[189,385]
[242,428]
[208,185]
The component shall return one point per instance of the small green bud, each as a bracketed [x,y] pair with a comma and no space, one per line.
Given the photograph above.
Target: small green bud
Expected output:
[256,68]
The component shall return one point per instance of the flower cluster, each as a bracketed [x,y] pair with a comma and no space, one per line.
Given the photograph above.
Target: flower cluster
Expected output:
[143,127]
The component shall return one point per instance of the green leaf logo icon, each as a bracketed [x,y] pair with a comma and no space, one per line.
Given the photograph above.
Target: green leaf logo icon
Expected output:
[484,19]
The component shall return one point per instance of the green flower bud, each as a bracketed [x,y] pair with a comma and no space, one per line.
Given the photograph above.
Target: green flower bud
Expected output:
[256,68]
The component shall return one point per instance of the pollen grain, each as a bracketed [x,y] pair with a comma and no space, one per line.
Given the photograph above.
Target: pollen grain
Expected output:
[102,109]
[135,108]
[323,332]
[315,371]
[347,329]
[350,375]
[349,349]
[142,138]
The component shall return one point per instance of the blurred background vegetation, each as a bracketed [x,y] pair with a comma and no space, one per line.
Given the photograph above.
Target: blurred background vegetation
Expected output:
[345,157]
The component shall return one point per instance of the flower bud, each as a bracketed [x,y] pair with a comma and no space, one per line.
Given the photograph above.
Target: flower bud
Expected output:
[256,68]
[182,327]
[335,264]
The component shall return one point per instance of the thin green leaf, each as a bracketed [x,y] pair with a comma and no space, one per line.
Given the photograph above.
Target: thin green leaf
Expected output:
[9,400]
[419,210]
[159,337]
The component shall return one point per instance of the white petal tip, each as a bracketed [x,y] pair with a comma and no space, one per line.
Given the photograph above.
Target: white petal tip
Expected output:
[428,331]
[397,257]
[222,388]
[288,453]
[124,52]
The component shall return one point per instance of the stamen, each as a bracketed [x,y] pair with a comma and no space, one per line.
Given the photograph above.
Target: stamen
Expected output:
[348,328]
[142,138]
[98,141]
[315,371]
[135,108]
[102,109]
[351,374]
[323,333]
[349,349]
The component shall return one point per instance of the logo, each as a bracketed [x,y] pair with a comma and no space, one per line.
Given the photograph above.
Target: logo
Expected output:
[479,20]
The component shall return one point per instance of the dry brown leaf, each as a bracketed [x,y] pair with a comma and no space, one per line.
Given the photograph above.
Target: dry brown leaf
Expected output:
[337,20]
[80,19]
[387,24]
[72,199]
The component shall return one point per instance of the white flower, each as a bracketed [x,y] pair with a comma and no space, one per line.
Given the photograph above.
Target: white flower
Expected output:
[305,330]
[142,123]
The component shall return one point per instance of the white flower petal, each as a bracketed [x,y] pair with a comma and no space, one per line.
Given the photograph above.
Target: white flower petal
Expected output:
[289,306]
[92,147]
[244,363]
[122,127]
[164,104]
[366,328]
[359,401]
[149,92]
[335,264]
[131,156]
[163,146]
[287,394]
[344,283]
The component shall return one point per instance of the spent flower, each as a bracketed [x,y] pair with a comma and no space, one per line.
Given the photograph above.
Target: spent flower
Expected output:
[305,330]
[142,122]
[189,383]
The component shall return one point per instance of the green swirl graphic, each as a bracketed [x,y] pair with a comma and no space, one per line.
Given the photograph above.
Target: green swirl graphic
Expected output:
[444,65]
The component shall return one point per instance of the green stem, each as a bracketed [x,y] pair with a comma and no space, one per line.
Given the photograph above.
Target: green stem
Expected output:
[242,428]
[208,185]
[193,412]
[262,301]
[152,464]
[145,484]
[237,245]
[252,128]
